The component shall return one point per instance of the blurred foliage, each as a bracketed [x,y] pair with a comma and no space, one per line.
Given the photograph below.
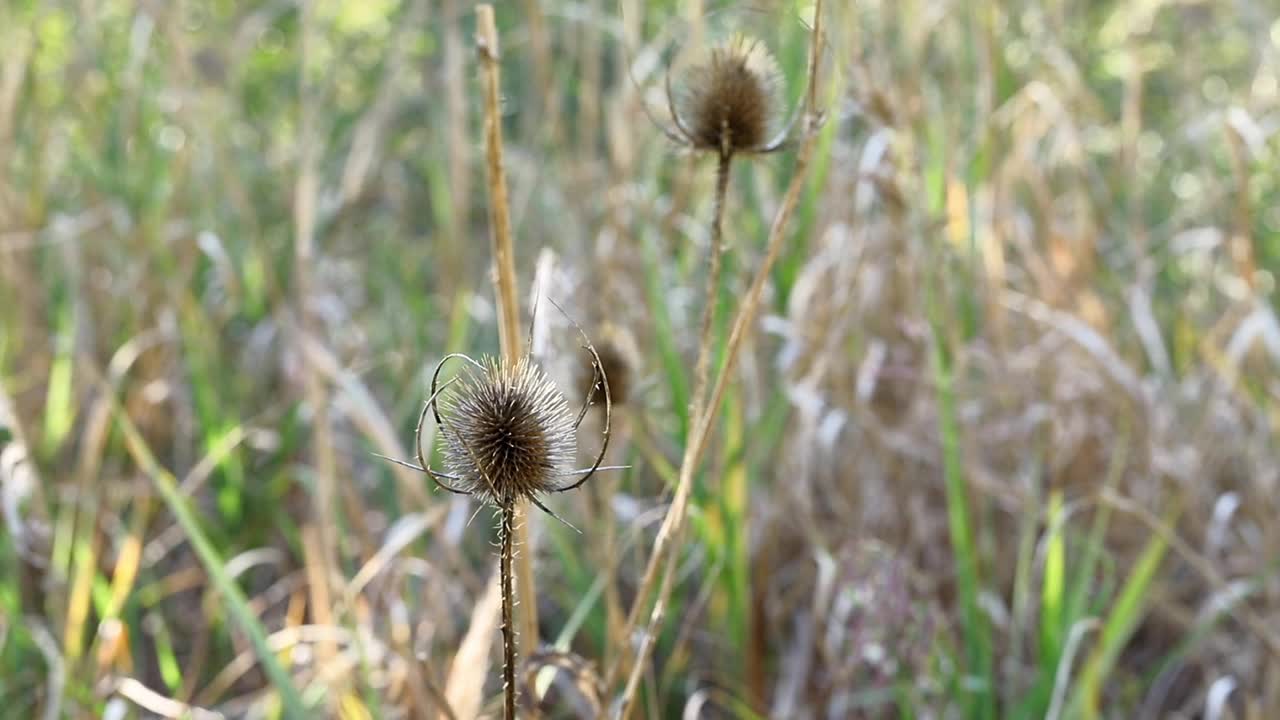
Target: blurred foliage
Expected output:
[1030,290]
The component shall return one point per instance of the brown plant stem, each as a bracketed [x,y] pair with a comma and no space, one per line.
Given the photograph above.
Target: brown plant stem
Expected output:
[305,192]
[504,279]
[506,532]
[706,345]
[540,44]
[671,531]
[499,213]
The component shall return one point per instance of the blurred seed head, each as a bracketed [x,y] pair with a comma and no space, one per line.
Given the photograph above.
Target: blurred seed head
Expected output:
[510,423]
[732,101]
[210,65]
[618,359]
[575,690]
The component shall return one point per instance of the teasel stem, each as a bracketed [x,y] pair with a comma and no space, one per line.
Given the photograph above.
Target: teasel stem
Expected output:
[506,532]
[663,559]
[706,346]
[504,279]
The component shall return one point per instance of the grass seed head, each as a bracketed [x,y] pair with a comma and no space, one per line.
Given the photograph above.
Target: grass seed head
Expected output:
[509,432]
[732,101]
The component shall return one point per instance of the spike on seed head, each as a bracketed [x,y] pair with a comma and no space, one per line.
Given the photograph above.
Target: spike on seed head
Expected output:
[509,431]
[732,101]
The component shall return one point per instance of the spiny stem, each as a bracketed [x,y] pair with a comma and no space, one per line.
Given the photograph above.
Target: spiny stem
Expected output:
[506,533]
[706,346]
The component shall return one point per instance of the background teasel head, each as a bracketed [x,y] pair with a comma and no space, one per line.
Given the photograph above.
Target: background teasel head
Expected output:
[729,101]
[619,359]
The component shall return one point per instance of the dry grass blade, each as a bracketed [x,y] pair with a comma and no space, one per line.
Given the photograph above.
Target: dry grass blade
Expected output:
[23,505]
[153,702]
[464,688]
[324,549]
[57,679]
[318,585]
[1063,675]
[406,530]
[364,410]
[1257,625]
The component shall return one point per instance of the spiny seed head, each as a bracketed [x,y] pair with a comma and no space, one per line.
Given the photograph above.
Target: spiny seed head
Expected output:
[732,101]
[507,425]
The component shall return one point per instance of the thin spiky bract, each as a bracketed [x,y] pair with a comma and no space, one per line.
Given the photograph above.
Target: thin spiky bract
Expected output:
[732,102]
[509,432]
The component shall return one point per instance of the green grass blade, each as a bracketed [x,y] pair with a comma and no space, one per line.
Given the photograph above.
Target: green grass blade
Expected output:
[236,602]
[977,651]
[1123,619]
[59,415]
[1052,590]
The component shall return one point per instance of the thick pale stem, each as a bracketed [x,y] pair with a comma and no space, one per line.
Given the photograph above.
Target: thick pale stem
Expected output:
[504,279]
[499,213]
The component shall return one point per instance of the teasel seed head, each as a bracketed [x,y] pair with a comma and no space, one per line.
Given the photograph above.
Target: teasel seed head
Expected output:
[618,361]
[509,433]
[732,101]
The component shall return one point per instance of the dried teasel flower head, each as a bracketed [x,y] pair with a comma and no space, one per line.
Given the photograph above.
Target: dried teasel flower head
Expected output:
[510,433]
[618,359]
[730,101]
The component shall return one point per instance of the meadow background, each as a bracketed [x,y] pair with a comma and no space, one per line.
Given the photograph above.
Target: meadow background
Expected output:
[1003,443]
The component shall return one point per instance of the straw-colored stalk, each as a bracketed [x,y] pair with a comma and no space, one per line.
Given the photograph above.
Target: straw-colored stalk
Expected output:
[505,281]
